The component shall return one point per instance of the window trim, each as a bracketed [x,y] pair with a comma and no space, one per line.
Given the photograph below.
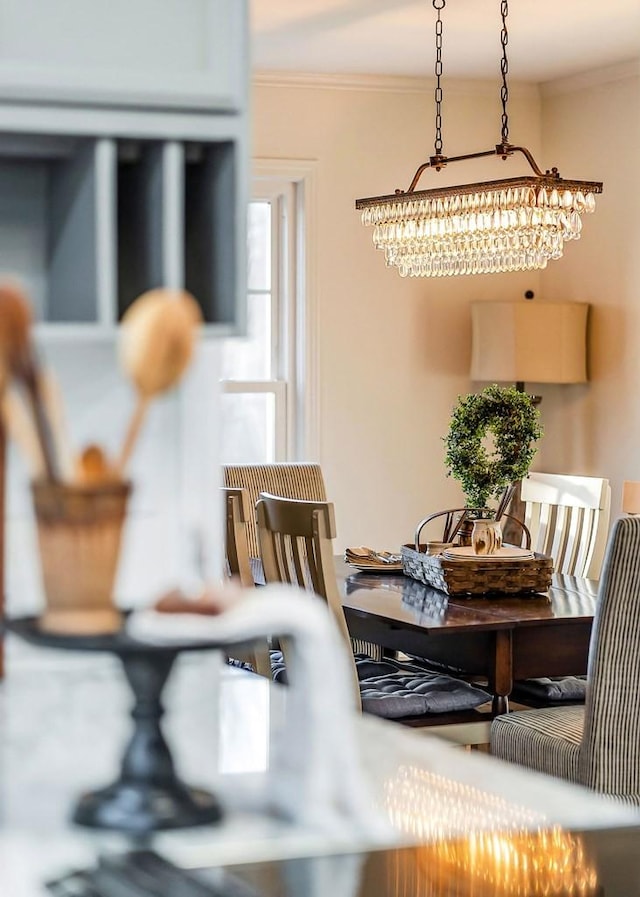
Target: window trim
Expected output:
[296,394]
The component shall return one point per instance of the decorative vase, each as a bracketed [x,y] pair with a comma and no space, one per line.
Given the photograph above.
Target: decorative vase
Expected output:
[466,528]
[79,535]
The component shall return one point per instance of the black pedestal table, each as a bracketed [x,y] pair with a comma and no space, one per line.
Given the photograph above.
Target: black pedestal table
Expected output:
[148,794]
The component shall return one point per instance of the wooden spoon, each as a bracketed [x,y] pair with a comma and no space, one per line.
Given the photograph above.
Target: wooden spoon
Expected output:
[18,424]
[158,334]
[19,359]
[53,404]
[15,326]
[92,466]
[20,428]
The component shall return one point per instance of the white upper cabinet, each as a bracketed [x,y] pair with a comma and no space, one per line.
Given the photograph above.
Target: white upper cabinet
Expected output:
[182,54]
[123,156]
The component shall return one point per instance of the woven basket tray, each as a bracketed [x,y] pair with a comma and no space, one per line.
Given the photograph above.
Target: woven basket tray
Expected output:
[478,577]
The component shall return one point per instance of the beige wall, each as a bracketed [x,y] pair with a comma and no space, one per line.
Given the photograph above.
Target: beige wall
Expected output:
[591,129]
[393,353]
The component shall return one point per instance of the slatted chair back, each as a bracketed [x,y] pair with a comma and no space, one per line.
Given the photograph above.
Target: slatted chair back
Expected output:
[296,547]
[288,479]
[568,518]
[610,751]
[237,513]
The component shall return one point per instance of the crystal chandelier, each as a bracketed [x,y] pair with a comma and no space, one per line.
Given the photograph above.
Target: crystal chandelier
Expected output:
[515,224]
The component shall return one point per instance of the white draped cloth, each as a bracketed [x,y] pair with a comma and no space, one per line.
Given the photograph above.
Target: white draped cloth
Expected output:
[316,776]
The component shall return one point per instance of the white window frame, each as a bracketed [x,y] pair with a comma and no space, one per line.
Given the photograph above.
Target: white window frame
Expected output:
[290,187]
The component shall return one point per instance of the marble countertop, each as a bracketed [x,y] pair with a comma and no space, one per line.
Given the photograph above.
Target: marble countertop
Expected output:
[64,721]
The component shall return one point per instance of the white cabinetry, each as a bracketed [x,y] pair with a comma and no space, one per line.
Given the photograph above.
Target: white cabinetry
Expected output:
[107,190]
[166,53]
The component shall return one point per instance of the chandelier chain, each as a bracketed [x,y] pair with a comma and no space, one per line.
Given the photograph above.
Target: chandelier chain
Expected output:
[504,68]
[438,5]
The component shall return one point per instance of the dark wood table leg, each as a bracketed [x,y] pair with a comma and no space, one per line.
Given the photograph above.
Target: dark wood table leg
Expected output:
[501,680]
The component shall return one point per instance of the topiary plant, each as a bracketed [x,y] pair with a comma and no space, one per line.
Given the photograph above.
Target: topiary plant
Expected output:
[508,418]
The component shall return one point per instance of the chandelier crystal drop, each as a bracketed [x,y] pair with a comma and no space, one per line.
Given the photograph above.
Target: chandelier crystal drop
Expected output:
[515,224]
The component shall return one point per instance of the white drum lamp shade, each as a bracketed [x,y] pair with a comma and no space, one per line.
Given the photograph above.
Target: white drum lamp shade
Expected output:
[536,342]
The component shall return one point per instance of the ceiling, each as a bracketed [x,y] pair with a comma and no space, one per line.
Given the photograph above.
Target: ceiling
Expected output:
[547,38]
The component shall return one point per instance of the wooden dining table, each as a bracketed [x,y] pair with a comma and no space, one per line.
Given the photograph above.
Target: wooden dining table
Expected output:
[501,637]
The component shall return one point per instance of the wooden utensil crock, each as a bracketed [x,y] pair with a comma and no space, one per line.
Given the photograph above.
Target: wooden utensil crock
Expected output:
[79,534]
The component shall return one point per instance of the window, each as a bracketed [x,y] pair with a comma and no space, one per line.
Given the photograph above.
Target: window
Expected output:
[266,375]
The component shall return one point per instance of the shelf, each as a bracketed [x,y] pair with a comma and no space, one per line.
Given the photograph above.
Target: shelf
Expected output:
[48,224]
[75,333]
[210,218]
[140,219]
[47,333]
[88,224]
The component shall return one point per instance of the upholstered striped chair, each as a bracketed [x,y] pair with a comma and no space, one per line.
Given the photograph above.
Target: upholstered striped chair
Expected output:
[296,547]
[597,745]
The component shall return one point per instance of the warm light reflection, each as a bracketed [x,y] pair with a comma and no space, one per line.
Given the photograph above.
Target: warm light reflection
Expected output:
[480,845]
[429,807]
[549,863]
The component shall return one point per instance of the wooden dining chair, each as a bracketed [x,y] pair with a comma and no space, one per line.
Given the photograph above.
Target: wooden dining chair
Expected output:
[237,513]
[598,744]
[296,547]
[568,518]
[289,479]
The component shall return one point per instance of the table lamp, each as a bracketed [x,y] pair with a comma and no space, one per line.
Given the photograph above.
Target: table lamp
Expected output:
[536,342]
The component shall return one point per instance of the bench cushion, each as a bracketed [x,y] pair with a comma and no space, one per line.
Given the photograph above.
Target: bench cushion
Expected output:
[551,688]
[394,690]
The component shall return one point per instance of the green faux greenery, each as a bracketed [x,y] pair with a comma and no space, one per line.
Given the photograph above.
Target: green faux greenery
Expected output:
[511,418]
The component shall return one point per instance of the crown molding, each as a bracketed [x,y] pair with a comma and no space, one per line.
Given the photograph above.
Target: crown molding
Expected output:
[384,83]
[593,78]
